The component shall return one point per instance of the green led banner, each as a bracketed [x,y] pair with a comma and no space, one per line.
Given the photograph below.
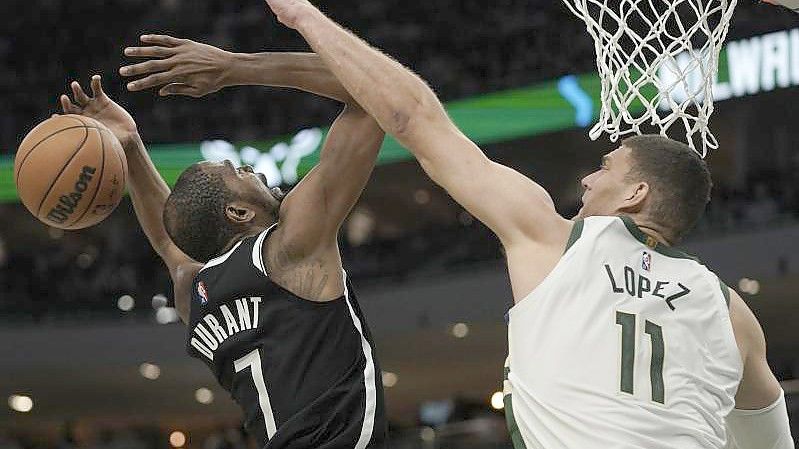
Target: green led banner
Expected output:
[486,119]
[746,67]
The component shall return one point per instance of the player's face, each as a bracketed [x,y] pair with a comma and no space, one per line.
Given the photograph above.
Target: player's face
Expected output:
[607,187]
[247,185]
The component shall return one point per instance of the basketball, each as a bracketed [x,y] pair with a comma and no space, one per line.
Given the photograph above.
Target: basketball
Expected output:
[70,171]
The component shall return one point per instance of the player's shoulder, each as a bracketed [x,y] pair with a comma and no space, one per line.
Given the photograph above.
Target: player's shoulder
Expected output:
[599,223]
[245,252]
[625,227]
[596,226]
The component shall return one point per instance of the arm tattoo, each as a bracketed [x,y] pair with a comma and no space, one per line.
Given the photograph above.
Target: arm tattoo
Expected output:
[305,278]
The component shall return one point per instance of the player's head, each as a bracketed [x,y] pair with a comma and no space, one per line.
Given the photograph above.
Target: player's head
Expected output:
[658,180]
[213,203]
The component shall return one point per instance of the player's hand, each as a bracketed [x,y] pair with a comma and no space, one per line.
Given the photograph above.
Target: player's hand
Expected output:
[179,66]
[289,12]
[793,5]
[100,108]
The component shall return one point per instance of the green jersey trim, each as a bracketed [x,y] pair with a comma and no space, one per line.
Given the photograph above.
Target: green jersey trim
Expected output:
[652,243]
[725,290]
[510,420]
[576,232]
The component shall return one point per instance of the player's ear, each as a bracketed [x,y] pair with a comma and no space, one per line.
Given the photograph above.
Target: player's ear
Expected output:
[239,213]
[635,197]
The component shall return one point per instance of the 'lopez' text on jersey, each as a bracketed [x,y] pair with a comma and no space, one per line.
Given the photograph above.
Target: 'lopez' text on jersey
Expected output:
[637,285]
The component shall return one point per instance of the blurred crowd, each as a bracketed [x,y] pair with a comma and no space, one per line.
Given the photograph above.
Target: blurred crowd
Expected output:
[88,271]
[461,47]
[128,438]
[475,428]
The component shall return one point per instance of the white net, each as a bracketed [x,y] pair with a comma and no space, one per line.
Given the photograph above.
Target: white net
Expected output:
[657,60]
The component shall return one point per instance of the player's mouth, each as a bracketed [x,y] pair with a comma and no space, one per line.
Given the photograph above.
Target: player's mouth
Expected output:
[275,191]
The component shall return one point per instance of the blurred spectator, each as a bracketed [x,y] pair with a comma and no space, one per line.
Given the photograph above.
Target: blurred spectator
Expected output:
[459,46]
[89,270]
[6,442]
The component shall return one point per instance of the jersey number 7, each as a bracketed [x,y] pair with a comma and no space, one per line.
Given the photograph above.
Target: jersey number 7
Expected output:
[253,362]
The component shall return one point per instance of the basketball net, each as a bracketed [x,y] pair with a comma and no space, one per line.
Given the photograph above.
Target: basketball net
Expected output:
[659,57]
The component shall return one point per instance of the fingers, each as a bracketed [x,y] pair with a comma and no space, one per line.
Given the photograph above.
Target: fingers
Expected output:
[77,92]
[67,106]
[179,89]
[153,80]
[97,87]
[162,39]
[150,52]
[146,67]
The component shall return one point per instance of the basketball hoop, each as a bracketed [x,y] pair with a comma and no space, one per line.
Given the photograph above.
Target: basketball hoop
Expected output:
[660,56]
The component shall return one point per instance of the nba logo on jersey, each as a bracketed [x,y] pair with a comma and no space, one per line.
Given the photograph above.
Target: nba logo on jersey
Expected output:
[646,261]
[202,292]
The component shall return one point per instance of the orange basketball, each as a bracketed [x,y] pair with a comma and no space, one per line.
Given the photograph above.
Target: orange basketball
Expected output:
[70,171]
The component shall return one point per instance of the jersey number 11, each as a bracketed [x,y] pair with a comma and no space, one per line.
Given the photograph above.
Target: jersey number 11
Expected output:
[627,321]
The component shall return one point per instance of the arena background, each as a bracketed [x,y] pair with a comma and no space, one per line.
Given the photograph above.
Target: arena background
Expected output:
[86,328]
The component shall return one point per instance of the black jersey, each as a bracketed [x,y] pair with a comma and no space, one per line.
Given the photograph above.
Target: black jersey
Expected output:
[304,372]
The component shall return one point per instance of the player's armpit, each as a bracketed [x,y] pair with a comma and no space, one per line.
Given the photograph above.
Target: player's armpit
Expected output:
[512,205]
[182,279]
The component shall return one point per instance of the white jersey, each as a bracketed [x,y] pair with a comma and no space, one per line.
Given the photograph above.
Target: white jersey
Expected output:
[625,344]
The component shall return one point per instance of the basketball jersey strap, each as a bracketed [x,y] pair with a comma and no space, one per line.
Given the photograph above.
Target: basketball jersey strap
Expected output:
[257,249]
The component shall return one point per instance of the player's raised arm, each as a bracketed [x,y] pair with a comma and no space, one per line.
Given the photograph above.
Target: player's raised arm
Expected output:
[148,191]
[185,67]
[513,206]
[313,212]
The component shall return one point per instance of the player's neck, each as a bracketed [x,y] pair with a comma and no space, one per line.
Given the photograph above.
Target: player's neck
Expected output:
[255,230]
[651,230]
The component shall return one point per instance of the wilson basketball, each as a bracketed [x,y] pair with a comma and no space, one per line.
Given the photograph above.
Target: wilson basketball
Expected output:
[70,171]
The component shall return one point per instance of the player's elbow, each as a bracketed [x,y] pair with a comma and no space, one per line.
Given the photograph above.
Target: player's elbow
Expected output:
[413,114]
[398,124]
[405,118]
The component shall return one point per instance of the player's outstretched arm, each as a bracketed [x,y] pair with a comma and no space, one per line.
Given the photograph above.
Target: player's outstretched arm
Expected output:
[147,189]
[306,258]
[184,67]
[513,206]
[760,417]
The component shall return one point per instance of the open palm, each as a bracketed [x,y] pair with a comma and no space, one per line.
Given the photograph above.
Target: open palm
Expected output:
[101,108]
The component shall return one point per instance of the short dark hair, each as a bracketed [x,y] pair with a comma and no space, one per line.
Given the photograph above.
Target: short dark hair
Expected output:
[678,179]
[194,214]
